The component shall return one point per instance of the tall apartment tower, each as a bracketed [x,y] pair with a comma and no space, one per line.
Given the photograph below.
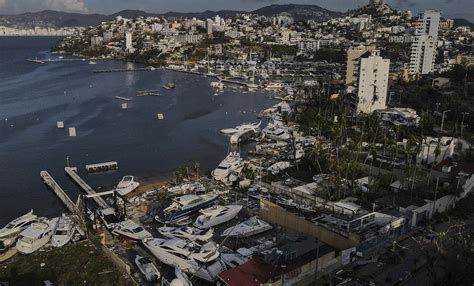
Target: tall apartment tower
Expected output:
[128,42]
[353,57]
[372,83]
[423,50]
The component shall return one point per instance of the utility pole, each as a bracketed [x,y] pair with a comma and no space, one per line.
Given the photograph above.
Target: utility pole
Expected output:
[442,119]
[462,123]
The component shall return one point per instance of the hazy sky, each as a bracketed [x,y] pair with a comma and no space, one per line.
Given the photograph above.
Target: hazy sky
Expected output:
[450,8]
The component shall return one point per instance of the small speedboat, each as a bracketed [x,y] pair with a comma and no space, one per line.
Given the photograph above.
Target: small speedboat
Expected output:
[36,236]
[64,232]
[147,268]
[216,215]
[127,185]
[130,230]
[181,278]
[249,227]
[169,85]
[92,63]
[13,228]
[186,232]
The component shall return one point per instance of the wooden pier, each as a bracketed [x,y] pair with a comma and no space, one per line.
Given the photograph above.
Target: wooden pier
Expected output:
[65,199]
[85,187]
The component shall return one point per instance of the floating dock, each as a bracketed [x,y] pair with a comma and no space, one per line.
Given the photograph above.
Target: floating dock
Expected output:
[101,167]
[85,187]
[123,98]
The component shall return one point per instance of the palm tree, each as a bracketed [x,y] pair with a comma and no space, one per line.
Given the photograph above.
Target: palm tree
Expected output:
[196,166]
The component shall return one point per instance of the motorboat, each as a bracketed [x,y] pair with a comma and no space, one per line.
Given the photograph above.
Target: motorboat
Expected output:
[183,206]
[277,133]
[13,228]
[286,203]
[181,278]
[169,85]
[64,231]
[234,259]
[276,168]
[92,63]
[249,227]
[217,85]
[36,236]
[201,261]
[216,215]
[246,126]
[127,185]
[186,232]
[182,189]
[233,162]
[130,230]
[182,221]
[147,268]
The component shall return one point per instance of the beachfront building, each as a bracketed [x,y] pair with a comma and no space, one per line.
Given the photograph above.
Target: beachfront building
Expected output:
[423,50]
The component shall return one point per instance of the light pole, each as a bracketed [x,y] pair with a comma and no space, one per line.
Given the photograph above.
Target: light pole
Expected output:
[436,113]
[462,123]
[442,119]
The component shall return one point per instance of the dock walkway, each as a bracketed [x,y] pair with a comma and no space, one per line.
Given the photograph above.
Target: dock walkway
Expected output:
[85,187]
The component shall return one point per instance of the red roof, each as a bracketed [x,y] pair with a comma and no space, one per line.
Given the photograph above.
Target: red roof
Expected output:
[251,273]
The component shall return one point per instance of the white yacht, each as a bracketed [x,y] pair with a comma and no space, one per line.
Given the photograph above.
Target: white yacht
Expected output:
[232,163]
[217,85]
[130,230]
[13,228]
[183,206]
[249,227]
[36,236]
[127,185]
[186,232]
[64,231]
[277,133]
[201,261]
[92,63]
[246,126]
[216,215]
[147,268]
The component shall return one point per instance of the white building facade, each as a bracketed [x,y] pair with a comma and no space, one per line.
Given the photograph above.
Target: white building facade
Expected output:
[372,83]
[423,51]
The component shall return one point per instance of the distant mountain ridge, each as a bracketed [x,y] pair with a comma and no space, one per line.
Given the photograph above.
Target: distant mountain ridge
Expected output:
[57,19]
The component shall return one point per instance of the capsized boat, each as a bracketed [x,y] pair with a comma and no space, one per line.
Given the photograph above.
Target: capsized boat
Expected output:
[232,163]
[64,231]
[36,236]
[216,215]
[183,206]
[243,127]
[130,230]
[186,232]
[147,268]
[13,228]
[249,227]
[127,185]
[201,261]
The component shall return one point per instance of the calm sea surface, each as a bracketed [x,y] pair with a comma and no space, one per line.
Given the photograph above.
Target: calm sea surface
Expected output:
[34,97]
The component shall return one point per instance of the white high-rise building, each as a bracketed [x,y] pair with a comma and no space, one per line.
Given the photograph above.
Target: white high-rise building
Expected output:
[372,83]
[128,42]
[209,25]
[217,20]
[423,50]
